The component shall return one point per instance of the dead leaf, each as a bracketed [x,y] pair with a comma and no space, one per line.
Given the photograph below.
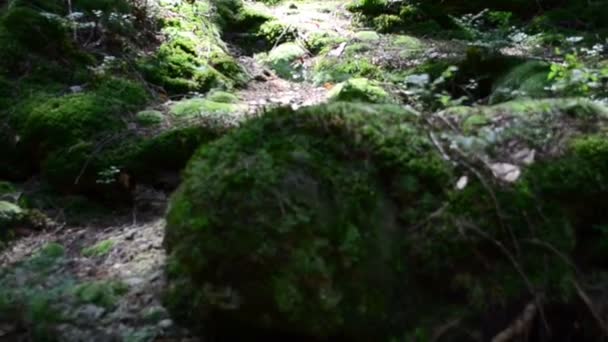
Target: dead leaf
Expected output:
[506,172]
[462,182]
[337,52]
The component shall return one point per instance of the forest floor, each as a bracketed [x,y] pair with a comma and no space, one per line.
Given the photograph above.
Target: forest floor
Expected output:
[101,279]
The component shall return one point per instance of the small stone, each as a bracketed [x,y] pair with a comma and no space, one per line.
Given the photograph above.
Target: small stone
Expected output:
[130,235]
[131,282]
[165,324]
[76,89]
[90,312]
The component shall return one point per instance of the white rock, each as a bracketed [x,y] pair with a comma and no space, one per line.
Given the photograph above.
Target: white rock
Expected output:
[506,172]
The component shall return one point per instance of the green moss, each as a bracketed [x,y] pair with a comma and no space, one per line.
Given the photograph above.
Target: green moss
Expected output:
[201,107]
[387,23]
[274,32]
[10,215]
[99,249]
[150,118]
[34,31]
[368,7]
[6,188]
[102,293]
[167,152]
[407,42]
[349,180]
[367,36]
[194,58]
[318,42]
[331,69]
[58,122]
[359,90]
[179,68]
[316,212]
[281,59]
[222,97]
[52,250]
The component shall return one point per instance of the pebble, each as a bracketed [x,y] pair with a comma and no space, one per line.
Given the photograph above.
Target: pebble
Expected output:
[165,324]
[90,312]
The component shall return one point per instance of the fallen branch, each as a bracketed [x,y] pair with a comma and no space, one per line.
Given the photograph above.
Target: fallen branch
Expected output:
[521,325]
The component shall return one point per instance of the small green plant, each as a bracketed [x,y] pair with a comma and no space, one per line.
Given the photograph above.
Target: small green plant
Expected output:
[576,77]
[100,249]
[422,92]
[108,176]
[101,293]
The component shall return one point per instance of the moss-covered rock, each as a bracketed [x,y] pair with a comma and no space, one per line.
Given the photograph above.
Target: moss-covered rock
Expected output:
[317,42]
[359,90]
[313,196]
[282,60]
[194,57]
[275,32]
[150,118]
[57,123]
[10,214]
[339,69]
[367,36]
[203,107]
[366,184]
[387,23]
[530,79]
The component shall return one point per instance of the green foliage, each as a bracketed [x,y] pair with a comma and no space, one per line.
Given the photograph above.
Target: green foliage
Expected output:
[574,77]
[99,249]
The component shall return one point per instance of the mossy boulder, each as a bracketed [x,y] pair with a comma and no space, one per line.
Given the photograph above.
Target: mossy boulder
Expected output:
[283,60]
[275,32]
[179,67]
[150,118]
[315,255]
[530,79]
[325,223]
[10,214]
[367,36]
[387,23]
[198,107]
[194,58]
[47,124]
[318,42]
[339,69]
[359,90]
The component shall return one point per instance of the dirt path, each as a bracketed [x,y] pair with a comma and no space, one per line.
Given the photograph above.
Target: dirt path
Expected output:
[306,17]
